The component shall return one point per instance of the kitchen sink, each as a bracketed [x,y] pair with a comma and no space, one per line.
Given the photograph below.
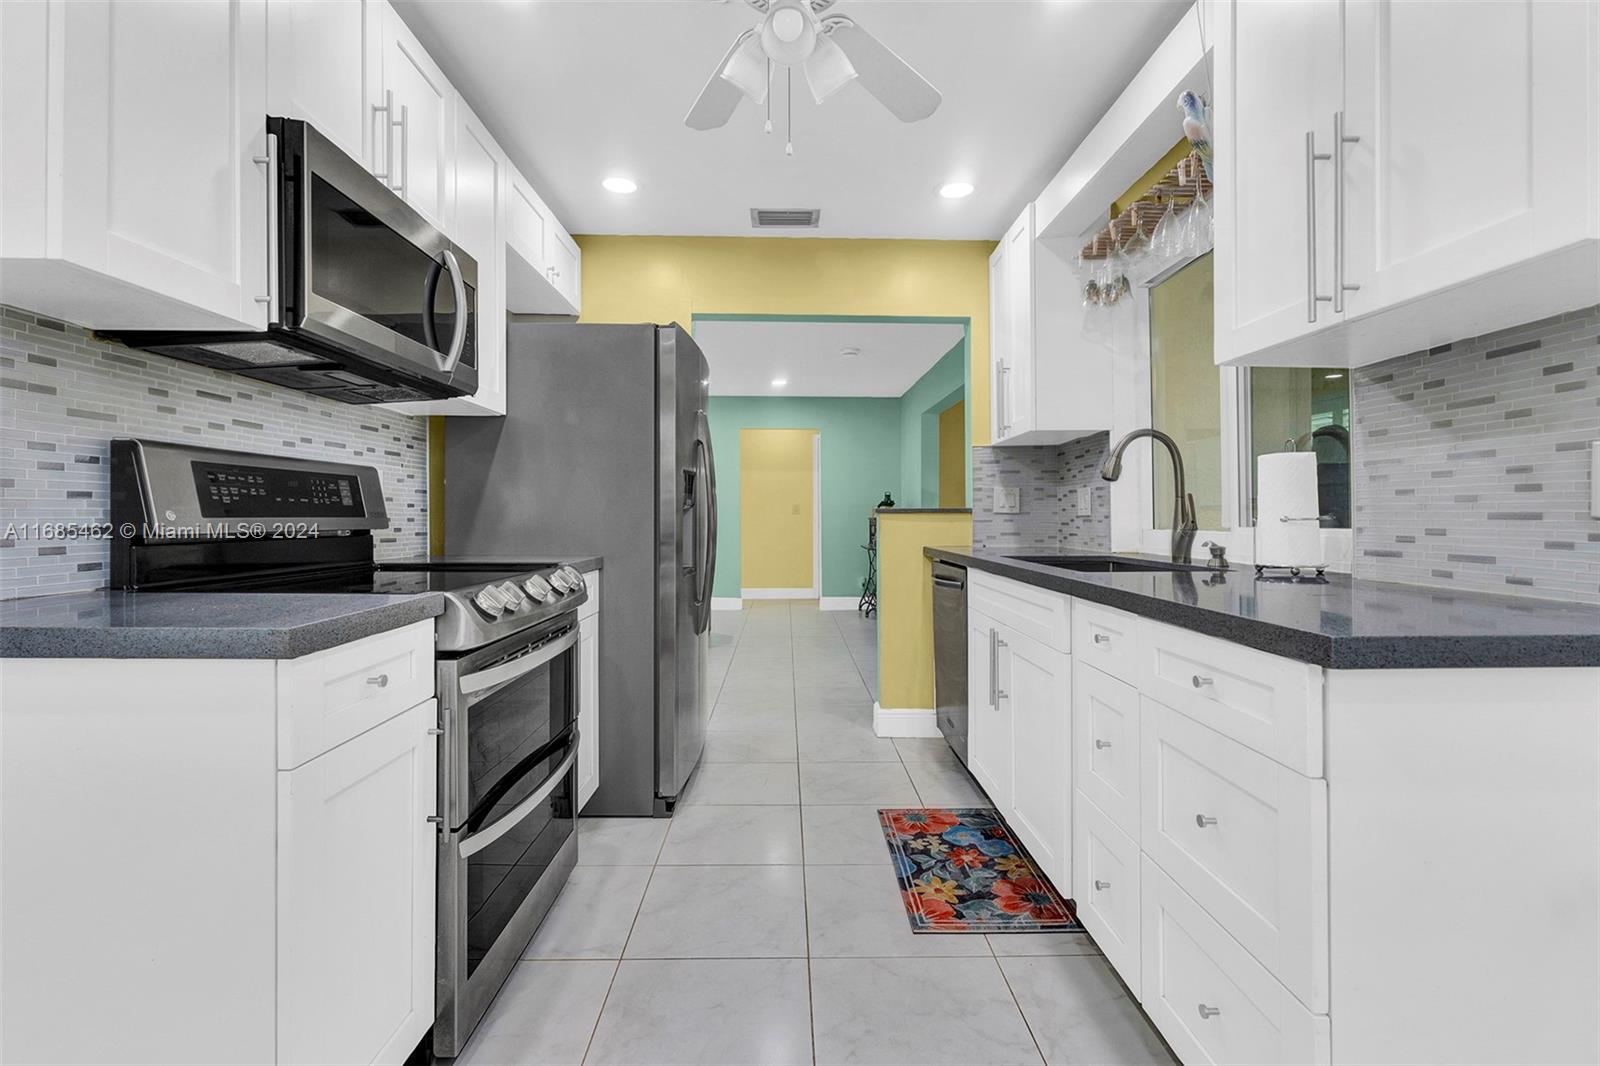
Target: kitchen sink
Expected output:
[1105,564]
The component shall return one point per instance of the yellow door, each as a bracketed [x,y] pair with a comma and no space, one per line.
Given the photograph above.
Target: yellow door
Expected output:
[953,455]
[777,509]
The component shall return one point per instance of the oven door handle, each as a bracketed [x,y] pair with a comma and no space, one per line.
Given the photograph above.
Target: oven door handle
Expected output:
[530,661]
[499,828]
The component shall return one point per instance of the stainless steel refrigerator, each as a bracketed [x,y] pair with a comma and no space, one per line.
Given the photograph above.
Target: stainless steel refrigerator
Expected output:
[605,449]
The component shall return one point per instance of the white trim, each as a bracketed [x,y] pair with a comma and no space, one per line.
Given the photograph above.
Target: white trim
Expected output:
[727,603]
[904,721]
[838,603]
[778,594]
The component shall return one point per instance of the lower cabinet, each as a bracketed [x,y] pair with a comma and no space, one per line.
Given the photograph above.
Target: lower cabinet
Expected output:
[989,732]
[356,857]
[1038,687]
[1105,862]
[589,691]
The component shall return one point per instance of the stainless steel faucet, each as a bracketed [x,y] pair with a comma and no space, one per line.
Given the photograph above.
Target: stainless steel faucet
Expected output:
[1183,522]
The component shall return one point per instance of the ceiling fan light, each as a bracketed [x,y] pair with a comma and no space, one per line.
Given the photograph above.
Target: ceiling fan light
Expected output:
[746,69]
[828,70]
[789,34]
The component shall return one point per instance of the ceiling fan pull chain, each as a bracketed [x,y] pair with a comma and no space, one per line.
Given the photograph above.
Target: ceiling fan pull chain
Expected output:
[788,149]
[768,128]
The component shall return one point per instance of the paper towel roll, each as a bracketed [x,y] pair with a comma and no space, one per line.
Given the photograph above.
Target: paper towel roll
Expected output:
[1288,531]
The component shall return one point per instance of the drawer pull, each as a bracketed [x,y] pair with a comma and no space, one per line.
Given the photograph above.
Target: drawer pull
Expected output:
[1102,744]
[1102,638]
[435,819]
[1202,820]
[382,681]
[1209,1012]
[435,732]
[1101,886]
[1200,682]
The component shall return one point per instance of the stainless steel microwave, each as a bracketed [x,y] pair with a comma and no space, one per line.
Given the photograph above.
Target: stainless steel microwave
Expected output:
[369,302]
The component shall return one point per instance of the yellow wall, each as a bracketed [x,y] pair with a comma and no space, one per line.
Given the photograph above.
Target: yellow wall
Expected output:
[953,455]
[905,603]
[669,279]
[777,508]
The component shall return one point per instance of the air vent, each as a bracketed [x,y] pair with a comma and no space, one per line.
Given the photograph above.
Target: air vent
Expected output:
[785,217]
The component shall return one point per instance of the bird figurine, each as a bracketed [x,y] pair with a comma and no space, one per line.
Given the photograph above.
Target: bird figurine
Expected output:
[1197,127]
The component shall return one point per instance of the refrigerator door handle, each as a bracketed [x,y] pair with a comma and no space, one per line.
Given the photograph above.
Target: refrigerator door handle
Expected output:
[706,521]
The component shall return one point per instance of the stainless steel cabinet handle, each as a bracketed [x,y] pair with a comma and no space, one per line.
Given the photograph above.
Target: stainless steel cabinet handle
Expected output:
[1101,886]
[1203,820]
[435,732]
[386,109]
[381,680]
[1340,139]
[1312,157]
[1200,682]
[1101,638]
[1005,396]
[1102,744]
[999,693]
[994,667]
[405,149]
[1209,1012]
[435,819]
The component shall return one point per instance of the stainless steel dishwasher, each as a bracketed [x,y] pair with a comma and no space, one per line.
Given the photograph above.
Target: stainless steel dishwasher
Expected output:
[950,653]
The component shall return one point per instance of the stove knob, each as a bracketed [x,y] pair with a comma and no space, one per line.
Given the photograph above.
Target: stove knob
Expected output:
[539,589]
[574,579]
[489,601]
[559,580]
[511,594]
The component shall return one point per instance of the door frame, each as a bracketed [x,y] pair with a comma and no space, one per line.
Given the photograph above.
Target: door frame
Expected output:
[815,591]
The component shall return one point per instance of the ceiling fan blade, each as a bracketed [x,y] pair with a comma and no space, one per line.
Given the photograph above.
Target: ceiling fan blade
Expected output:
[719,97]
[907,94]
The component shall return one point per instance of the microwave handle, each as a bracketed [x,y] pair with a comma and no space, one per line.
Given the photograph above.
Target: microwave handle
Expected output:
[458,340]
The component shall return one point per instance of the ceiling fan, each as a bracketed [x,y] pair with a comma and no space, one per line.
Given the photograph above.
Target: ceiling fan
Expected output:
[832,50]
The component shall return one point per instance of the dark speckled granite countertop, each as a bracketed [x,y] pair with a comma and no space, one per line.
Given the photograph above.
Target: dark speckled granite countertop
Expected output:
[1339,623]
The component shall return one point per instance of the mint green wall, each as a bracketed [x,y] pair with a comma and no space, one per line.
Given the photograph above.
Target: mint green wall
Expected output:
[943,384]
[860,461]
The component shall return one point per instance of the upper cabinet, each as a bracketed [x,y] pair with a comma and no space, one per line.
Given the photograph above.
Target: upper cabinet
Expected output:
[323,67]
[1050,383]
[1369,206]
[419,139]
[134,186]
[543,263]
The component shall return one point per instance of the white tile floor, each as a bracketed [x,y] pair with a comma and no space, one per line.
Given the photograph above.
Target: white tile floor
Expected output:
[761,924]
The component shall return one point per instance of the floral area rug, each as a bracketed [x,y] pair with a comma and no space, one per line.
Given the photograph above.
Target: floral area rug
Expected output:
[961,871]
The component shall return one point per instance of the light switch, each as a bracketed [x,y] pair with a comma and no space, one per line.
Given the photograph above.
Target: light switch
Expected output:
[1007,499]
[1084,502]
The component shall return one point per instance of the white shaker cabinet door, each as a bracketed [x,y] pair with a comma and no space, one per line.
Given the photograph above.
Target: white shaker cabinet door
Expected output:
[356,870]
[988,712]
[1277,84]
[1445,188]
[323,67]
[1038,687]
[422,109]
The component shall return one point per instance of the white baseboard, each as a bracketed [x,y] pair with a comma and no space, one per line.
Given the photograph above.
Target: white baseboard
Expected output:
[838,603]
[904,721]
[727,603]
[778,594]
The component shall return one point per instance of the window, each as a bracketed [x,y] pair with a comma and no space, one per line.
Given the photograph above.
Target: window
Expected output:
[1185,393]
[1300,409]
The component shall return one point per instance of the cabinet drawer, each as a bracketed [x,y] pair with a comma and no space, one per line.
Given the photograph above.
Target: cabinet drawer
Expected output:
[1107,638]
[1105,743]
[1210,999]
[1031,611]
[1106,889]
[1268,703]
[1246,837]
[328,697]
[591,606]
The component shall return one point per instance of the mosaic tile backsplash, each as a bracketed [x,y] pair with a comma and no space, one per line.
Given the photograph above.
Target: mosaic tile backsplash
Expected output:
[1048,477]
[64,394]
[1473,462]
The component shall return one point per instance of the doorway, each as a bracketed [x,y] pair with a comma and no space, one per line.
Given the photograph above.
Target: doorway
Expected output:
[780,513]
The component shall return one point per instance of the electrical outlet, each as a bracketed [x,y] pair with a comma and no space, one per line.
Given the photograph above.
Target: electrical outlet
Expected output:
[1085,503]
[1007,500]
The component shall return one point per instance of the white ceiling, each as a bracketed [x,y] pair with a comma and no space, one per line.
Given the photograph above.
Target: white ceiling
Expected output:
[576,90]
[745,356]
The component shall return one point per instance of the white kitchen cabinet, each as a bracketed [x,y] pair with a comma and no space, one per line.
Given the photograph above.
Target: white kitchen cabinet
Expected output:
[1105,742]
[543,264]
[323,67]
[1409,253]
[989,733]
[479,171]
[1048,383]
[1038,693]
[356,876]
[416,155]
[135,185]
[589,691]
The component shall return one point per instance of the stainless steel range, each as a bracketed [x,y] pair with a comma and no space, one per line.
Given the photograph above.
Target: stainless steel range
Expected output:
[198,519]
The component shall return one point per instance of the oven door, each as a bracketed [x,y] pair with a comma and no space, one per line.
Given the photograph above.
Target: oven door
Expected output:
[368,273]
[508,793]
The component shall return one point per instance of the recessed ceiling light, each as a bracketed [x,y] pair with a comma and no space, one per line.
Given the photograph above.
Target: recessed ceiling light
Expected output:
[620,184]
[955,190]
[849,353]
[779,383]
[1335,376]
